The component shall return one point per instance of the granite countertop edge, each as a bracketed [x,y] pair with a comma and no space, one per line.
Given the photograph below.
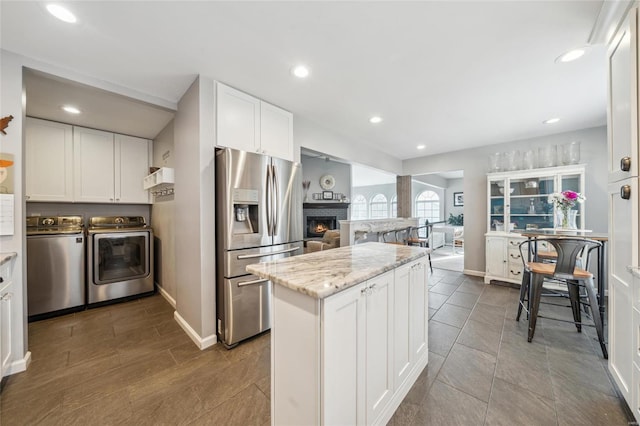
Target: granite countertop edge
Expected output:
[317,286]
[7,256]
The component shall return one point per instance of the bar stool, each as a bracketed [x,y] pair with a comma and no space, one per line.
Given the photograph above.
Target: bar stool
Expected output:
[568,250]
[416,240]
[389,237]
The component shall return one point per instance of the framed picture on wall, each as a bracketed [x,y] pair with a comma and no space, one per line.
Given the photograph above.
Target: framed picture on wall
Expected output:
[327,195]
[458,199]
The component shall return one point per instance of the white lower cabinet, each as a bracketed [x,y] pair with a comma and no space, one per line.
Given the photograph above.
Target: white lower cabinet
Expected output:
[366,345]
[503,259]
[5,317]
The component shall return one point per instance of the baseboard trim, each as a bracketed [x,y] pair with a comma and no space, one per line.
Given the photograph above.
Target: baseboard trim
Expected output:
[167,296]
[202,343]
[20,365]
[473,273]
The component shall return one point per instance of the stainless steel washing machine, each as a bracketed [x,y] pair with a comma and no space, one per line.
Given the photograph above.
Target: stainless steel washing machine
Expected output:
[55,266]
[119,258]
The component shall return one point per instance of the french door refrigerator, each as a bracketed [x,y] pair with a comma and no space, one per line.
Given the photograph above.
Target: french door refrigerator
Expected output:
[258,219]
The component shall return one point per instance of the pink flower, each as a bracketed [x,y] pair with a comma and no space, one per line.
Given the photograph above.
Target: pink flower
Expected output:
[570,195]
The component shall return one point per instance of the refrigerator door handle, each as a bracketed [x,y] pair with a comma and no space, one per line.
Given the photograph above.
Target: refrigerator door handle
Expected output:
[273,253]
[268,201]
[276,205]
[252,282]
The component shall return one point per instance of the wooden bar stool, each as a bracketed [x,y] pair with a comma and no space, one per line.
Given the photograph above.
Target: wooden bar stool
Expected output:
[568,250]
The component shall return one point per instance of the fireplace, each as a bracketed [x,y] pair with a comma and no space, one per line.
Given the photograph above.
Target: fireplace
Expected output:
[318,225]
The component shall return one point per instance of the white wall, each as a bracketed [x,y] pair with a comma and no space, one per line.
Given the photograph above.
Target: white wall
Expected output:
[474,163]
[311,135]
[195,212]
[163,215]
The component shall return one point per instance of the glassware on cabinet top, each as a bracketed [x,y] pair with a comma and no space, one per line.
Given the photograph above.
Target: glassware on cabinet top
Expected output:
[547,156]
[571,153]
[529,160]
[495,162]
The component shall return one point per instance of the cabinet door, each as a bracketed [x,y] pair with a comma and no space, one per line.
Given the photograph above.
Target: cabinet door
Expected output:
[496,203]
[131,167]
[419,312]
[623,100]
[402,321]
[237,119]
[276,131]
[379,345]
[344,321]
[5,329]
[48,159]
[623,252]
[495,254]
[94,165]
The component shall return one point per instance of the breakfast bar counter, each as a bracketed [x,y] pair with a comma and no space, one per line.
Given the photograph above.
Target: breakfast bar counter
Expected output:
[349,333]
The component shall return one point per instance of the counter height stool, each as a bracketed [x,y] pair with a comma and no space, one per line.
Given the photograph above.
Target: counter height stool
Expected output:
[419,236]
[568,251]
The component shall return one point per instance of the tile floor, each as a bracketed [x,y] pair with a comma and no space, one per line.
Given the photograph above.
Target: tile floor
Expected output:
[130,364]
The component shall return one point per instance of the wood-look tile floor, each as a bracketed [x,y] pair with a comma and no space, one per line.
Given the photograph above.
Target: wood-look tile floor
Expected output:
[130,364]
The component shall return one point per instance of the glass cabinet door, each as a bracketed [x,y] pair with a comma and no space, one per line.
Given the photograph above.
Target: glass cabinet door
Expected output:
[573,182]
[529,206]
[497,204]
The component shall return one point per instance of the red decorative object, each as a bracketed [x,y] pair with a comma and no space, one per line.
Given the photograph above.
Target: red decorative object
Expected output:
[4,123]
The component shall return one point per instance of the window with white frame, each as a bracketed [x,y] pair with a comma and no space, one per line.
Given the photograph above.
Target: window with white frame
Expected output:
[394,206]
[359,208]
[428,206]
[379,207]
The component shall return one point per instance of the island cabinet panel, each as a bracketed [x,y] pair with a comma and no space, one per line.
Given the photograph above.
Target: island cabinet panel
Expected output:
[352,357]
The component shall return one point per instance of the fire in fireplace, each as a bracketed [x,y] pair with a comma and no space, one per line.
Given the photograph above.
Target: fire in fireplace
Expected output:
[318,225]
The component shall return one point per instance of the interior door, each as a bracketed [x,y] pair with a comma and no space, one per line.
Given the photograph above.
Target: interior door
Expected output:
[288,201]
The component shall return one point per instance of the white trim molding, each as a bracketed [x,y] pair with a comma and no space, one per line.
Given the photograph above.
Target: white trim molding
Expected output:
[202,343]
[20,365]
[473,273]
[166,296]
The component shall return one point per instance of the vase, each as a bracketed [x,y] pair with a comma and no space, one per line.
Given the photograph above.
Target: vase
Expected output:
[306,196]
[566,219]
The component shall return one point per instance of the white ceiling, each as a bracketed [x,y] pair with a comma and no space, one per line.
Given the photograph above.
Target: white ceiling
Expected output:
[448,74]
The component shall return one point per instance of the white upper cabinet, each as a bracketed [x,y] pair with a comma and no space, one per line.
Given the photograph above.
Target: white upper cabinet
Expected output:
[276,131]
[109,168]
[131,167]
[623,101]
[246,123]
[94,160]
[49,159]
[237,119]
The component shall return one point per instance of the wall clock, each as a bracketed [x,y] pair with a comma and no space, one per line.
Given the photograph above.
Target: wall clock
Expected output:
[327,182]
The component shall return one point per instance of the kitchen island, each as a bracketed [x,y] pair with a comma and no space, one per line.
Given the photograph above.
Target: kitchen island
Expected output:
[349,333]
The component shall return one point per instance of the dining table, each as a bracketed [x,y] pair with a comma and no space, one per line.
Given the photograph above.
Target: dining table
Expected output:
[533,234]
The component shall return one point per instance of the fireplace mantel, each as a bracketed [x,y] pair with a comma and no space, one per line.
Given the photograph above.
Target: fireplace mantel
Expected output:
[325,205]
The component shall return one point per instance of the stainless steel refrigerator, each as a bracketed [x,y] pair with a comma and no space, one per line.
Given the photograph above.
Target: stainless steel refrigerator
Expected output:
[258,219]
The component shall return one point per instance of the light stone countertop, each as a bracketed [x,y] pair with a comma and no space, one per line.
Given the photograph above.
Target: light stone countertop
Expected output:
[323,273]
[7,256]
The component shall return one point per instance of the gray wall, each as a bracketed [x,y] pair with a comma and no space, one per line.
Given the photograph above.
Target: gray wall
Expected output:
[195,210]
[453,185]
[163,215]
[474,163]
[88,210]
[314,168]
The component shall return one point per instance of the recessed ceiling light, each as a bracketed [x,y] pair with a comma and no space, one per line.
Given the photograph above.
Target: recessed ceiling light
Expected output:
[300,71]
[375,119]
[71,109]
[571,55]
[61,13]
[421,146]
[551,121]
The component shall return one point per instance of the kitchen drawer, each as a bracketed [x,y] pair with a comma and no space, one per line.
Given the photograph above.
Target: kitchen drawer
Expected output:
[514,243]
[515,271]
[514,257]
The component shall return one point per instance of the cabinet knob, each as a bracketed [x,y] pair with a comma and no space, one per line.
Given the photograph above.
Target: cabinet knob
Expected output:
[27,197]
[625,192]
[625,164]
[117,199]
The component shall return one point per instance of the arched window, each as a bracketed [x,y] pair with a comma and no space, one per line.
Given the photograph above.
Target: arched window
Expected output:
[428,206]
[394,206]
[359,207]
[378,207]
